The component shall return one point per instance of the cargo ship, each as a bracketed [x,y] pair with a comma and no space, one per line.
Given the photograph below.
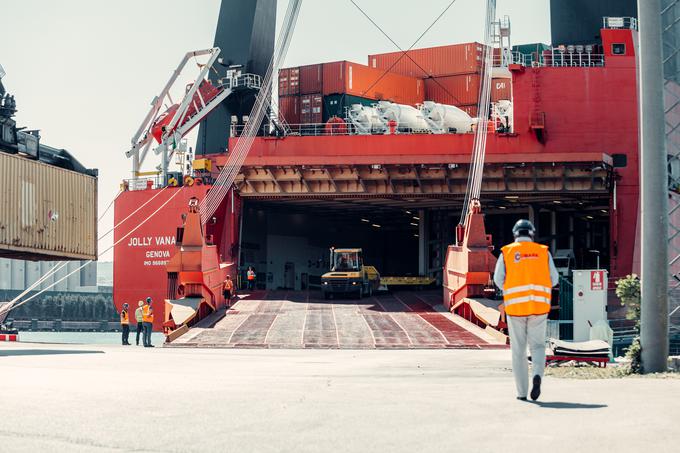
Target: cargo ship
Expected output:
[377,156]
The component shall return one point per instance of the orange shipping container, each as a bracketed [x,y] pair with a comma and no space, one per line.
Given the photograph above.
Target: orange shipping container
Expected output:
[432,61]
[289,109]
[345,77]
[311,108]
[311,79]
[501,89]
[453,90]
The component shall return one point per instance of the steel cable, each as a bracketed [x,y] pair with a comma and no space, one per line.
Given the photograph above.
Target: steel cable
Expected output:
[404,53]
[476,171]
[225,179]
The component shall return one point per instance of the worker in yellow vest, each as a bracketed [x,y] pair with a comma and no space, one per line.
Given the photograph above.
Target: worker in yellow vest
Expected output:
[147,319]
[526,273]
[139,317]
[125,323]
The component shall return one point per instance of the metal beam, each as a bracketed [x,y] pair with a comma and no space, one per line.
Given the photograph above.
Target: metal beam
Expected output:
[654,197]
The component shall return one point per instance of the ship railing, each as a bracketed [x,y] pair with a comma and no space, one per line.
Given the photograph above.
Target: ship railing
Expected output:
[626,23]
[571,56]
[241,81]
[142,183]
[348,128]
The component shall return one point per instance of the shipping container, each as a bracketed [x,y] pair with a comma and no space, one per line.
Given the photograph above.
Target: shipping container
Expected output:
[432,61]
[310,108]
[345,77]
[470,109]
[453,90]
[311,79]
[289,81]
[47,212]
[501,89]
[289,109]
[535,50]
[336,104]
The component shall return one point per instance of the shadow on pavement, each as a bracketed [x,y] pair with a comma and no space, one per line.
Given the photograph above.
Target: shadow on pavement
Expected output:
[28,352]
[563,405]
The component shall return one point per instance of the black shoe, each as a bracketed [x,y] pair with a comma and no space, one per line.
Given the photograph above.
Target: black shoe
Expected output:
[522,398]
[151,346]
[536,390]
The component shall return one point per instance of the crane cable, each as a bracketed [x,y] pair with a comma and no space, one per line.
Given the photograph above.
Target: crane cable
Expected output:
[231,169]
[8,307]
[476,172]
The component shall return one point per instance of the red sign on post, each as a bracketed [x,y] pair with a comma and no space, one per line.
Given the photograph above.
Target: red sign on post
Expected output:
[596,280]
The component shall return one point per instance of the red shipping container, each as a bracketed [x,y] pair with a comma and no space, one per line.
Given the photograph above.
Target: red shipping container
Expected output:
[453,90]
[501,89]
[289,109]
[289,81]
[432,61]
[283,81]
[311,79]
[470,109]
[345,77]
[311,108]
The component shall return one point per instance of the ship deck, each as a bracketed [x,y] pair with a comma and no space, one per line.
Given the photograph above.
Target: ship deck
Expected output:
[302,319]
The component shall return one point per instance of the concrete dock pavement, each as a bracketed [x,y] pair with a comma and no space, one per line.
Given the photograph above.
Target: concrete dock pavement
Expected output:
[111,398]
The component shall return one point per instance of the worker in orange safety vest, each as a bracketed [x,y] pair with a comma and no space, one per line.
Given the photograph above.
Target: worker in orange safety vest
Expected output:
[251,275]
[526,273]
[147,319]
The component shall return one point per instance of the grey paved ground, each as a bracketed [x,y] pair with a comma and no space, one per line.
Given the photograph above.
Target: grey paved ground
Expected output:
[106,398]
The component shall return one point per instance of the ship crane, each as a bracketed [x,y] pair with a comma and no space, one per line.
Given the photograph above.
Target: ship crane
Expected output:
[469,263]
[200,98]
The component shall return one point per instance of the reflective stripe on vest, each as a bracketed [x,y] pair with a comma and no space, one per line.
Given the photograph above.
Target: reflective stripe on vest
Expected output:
[527,289]
[124,318]
[147,313]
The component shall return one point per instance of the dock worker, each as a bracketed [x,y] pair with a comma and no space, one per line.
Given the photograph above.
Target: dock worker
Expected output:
[125,323]
[228,289]
[250,275]
[147,319]
[140,320]
[526,273]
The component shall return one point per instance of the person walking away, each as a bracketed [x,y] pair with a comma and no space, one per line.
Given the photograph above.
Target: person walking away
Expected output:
[526,273]
[250,274]
[125,323]
[140,320]
[228,290]
[147,319]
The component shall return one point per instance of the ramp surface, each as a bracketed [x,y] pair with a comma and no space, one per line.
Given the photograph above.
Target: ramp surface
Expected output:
[288,319]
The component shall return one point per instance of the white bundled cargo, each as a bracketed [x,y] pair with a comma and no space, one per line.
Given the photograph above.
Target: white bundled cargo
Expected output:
[406,117]
[446,119]
[366,119]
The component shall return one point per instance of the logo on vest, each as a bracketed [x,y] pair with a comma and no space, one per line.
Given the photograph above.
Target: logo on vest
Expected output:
[523,256]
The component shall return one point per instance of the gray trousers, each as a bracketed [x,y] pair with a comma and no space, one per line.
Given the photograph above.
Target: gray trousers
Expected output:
[148,327]
[523,330]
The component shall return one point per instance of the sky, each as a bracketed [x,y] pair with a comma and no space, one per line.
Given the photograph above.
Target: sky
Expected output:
[85,71]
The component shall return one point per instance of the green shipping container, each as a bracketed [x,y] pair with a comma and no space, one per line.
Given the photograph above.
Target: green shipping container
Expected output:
[335,104]
[535,50]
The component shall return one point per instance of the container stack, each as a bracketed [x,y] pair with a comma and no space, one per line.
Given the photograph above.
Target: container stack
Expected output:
[452,74]
[312,94]
[449,75]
